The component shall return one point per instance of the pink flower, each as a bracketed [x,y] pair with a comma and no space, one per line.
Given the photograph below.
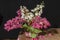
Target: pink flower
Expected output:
[34,38]
[36,25]
[18,38]
[36,19]
[19,12]
[14,23]
[41,37]
[39,22]
[49,34]
[46,23]
[27,34]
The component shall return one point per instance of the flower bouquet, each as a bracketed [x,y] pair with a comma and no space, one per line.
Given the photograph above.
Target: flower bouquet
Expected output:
[29,20]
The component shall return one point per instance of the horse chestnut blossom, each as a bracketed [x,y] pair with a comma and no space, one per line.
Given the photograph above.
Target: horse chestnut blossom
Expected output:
[39,22]
[14,23]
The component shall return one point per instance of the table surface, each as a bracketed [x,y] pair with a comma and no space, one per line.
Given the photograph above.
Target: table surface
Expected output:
[53,37]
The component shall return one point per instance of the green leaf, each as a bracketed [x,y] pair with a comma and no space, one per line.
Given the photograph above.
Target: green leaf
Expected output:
[31,29]
[33,35]
[37,31]
[25,25]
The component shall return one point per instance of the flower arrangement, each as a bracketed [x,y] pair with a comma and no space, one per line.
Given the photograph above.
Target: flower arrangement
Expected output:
[30,21]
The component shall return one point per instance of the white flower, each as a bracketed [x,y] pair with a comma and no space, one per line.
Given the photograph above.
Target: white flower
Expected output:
[22,11]
[35,9]
[30,15]
[38,5]
[24,7]
[36,14]
[32,10]
[41,6]
[26,17]
[40,12]
[23,15]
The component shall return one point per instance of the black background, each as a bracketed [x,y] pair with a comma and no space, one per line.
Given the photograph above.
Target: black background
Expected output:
[8,10]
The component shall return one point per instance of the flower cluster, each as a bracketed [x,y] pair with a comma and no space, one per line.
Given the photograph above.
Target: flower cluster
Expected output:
[30,20]
[14,23]
[40,23]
